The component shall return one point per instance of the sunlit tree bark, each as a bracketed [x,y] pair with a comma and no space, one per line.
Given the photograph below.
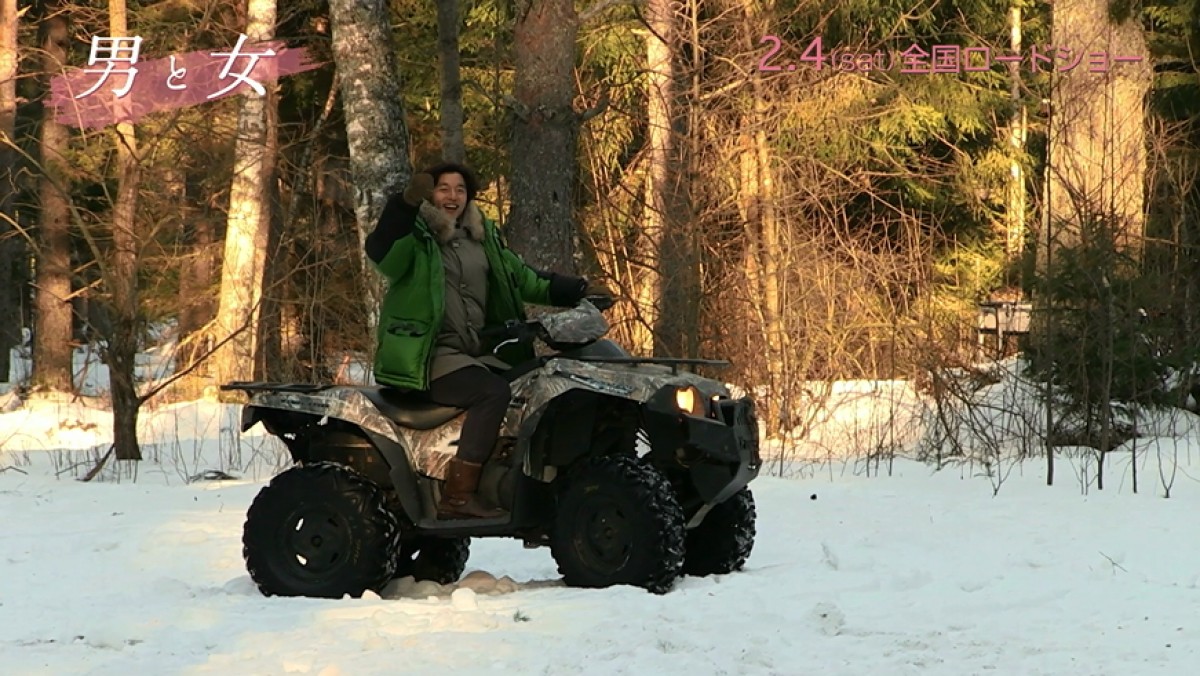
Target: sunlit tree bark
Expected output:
[541,223]
[762,219]
[246,237]
[669,294]
[121,278]
[1097,154]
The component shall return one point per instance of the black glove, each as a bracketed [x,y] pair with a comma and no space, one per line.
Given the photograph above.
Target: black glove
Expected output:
[419,188]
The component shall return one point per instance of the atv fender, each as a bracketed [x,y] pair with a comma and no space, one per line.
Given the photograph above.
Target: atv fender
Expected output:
[404,479]
[250,417]
[285,413]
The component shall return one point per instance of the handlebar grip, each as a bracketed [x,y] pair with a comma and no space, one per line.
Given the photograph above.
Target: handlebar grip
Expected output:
[601,302]
[493,332]
[513,328]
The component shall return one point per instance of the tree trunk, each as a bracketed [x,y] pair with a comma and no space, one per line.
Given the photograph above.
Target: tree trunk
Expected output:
[750,210]
[542,155]
[764,229]
[1014,236]
[303,182]
[195,283]
[771,251]
[311,313]
[376,129]
[270,364]
[122,278]
[1097,163]
[670,293]
[453,146]
[10,243]
[52,350]
[648,296]
[246,235]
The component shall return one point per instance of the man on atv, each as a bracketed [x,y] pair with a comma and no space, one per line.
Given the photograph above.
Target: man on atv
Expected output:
[450,275]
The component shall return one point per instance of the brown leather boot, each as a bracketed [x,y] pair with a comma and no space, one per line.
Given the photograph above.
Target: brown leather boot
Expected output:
[459,499]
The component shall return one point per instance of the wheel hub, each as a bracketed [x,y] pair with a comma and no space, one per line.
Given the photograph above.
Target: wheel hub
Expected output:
[318,541]
[605,540]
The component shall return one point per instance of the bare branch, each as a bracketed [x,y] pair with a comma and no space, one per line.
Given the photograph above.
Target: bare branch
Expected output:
[94,471]
[600,107]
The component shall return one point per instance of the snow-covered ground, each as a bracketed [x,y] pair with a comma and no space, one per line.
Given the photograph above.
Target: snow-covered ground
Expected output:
[907,571]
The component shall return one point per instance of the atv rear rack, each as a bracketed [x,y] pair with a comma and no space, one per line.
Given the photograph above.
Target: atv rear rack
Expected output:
[673,362]
[263,386]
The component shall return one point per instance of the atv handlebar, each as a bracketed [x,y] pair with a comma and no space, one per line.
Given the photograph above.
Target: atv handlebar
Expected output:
[518,331]
[513,329]
[522,331]
[602,302]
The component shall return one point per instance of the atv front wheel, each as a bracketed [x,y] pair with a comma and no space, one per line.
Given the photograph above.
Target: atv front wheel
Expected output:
[320,530]
[722,542]
[441,560]
[618,523]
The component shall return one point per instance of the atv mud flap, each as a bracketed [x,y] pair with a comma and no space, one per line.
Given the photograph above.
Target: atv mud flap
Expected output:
[721,454]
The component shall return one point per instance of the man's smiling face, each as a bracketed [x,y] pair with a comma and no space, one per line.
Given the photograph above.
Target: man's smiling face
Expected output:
[450,194]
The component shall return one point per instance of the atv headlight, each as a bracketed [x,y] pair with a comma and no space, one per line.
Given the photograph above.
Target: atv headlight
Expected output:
[689,400]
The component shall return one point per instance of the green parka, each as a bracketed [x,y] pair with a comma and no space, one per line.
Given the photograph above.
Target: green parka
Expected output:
[405,248]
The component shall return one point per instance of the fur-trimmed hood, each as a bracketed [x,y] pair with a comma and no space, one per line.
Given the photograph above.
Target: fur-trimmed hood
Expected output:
[442,226]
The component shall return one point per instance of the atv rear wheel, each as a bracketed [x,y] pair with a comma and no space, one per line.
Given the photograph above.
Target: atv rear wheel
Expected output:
[618,522]
[722,542]
[441,560]
[320,530]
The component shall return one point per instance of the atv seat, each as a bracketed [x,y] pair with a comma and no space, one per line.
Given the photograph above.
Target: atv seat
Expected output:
[410,409]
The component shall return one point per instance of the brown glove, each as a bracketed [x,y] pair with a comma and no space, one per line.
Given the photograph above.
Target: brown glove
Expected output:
[419,188]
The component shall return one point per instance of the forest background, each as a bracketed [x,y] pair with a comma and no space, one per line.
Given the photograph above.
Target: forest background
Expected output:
[815,191]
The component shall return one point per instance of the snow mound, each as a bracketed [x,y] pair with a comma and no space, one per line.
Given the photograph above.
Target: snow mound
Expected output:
[478,582]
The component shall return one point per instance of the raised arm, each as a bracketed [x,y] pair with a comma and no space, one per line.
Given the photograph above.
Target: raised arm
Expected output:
[391,246]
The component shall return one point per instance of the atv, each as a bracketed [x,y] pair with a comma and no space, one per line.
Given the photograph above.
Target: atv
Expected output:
[631,470]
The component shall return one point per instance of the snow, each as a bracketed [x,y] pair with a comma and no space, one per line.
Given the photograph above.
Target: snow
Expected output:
[895,567]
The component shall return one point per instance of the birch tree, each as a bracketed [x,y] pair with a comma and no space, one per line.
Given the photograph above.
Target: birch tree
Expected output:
[248,228]
[371,87]
[759,209]
[52,353]
[1097,154]
[667,296]
[1014,214]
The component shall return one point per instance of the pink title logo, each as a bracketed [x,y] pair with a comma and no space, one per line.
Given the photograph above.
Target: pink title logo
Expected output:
[164,84]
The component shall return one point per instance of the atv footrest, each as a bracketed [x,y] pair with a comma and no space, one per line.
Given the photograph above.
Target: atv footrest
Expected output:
[443,524]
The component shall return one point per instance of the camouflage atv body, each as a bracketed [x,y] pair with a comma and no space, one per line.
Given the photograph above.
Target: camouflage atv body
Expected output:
[633,471]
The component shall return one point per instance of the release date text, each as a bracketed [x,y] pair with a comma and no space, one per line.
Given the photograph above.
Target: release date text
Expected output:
[936,59]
